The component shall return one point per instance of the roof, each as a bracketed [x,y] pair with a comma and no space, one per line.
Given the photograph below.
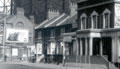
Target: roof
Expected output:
[68,20]
[57,20]
[47,21]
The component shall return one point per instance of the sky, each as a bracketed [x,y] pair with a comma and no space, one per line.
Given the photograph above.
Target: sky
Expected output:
[7,3]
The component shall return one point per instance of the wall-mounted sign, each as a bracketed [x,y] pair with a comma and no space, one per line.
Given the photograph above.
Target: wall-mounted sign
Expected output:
[39,48]
[1,39]
[14,52]
[117,15]
[67,39]
[17,36]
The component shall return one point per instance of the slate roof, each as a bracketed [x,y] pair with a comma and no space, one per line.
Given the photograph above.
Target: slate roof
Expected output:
[58,21]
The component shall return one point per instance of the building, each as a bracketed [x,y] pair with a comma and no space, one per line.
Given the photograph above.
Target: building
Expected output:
[39,8]
[97,36]
[17,35]
[49,33]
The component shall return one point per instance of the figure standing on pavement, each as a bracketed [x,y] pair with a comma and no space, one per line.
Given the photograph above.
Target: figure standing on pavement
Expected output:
[5,58]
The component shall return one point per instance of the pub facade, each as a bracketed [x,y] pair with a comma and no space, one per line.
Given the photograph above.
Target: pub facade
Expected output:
[98,29]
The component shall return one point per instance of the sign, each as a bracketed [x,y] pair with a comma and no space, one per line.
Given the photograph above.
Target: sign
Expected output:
[52,45]
[39,48]
[14,52]
[1,39]
[117,15]
[17,36]
[67,39]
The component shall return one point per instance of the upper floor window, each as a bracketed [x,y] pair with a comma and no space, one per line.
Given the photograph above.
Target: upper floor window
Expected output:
[106,18]
[62,31]
[20,25]
[53,33]
[94,18]
[83,21]
[39,34]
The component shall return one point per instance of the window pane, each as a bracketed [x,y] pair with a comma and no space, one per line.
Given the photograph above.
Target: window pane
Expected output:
[106,20]
[83,23]
[94,21]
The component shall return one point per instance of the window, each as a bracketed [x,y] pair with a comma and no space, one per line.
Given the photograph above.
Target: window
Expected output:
[62,30]
[53,33]
[39,34]
[19,25]
[83,21]
[94,21]
[94,17]
[106,18]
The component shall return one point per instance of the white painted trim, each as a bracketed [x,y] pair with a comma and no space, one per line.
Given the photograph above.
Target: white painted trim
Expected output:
[94,13]
[83,16]
[109,12]
[38,26]
[62,21]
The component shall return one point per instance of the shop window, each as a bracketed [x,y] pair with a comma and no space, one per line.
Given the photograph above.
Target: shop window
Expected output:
[106,18]
[94,18]
[83,21]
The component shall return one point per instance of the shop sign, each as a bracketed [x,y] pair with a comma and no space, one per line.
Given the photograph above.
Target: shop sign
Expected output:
[67,39]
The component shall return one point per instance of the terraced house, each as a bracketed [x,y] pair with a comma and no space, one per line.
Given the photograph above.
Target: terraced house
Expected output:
[49,33]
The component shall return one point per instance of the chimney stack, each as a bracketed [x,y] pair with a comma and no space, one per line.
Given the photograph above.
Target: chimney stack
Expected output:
[53,13]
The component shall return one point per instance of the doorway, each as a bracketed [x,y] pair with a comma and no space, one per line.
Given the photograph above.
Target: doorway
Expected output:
[107,47]
[96,46]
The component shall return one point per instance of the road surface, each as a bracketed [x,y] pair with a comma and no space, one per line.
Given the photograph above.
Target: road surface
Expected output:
[17,66]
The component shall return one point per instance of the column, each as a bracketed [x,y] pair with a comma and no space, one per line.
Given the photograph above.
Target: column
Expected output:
[11,53]
[81,51]
[86,47]
[101,48]
[90,46]
[63,53]
[114,49]
[77,49]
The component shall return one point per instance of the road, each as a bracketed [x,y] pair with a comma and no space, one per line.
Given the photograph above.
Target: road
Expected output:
[17,66]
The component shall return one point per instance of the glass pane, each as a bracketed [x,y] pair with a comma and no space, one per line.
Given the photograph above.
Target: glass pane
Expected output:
[94,21]
[106,20]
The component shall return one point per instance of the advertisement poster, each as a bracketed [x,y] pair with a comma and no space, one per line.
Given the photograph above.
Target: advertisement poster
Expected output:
[17,36]
[117,15]
[39,48]
[1,40]
[14,52]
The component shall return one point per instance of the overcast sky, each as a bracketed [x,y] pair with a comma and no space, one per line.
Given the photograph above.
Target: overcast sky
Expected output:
[7,3]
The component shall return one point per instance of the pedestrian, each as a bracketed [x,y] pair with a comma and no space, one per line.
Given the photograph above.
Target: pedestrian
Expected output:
[5,57]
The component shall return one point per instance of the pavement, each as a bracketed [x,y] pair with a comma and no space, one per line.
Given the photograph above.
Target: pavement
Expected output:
[43,65]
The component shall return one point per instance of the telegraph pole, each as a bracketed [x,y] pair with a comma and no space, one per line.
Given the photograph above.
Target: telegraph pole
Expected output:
[4,37]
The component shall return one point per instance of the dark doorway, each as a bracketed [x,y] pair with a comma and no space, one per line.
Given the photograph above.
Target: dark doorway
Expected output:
[96,46]
[107,47]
